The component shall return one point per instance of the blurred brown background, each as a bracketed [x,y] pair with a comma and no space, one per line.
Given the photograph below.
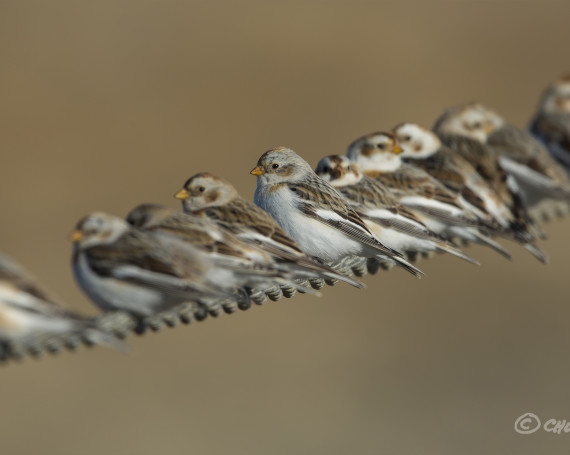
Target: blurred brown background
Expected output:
[107,104]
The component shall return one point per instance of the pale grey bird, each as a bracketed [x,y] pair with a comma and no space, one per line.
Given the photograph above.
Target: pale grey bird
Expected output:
[313,213]
[537,173]
[451,128]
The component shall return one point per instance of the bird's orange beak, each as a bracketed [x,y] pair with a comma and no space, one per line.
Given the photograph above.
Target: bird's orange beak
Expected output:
[182,194]
[489,128]
[76,236]
[397,150]
[256,171]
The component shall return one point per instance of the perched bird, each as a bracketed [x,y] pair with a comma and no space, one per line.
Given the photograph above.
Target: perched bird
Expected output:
[450,128]
[393,224]
[123,268]
[537,173]
[551,123]
[313,213]
[424,149]
[214,198]
[441,210]
[28,311]
[250,265]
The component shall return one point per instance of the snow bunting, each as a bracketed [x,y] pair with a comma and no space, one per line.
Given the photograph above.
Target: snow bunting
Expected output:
[551,124]
[442,211]
[537,173]
[313,213]
[251,266]
[451,131]
[393,224]
[212,197]
[127,269]
[424,149]
[28,311]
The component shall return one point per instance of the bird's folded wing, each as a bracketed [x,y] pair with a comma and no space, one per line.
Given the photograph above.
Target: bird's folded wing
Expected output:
[398,223]
[210,241]
[409,179]
[446,213]
[370,192]
[485,162]
[242,217]
[453,177]
[522,147]
[166,284]
[327,206]
[534,178]
[163,255]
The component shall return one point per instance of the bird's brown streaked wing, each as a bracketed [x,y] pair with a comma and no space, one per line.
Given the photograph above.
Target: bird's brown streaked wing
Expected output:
[314,195]
[372,193]
[364,203]
[473,198]
[202,240]
[409,179]
[240,215]
[520,146]
[418,231]
[485,162]
[442,169]
[453,179]
[143,251]
[198,232]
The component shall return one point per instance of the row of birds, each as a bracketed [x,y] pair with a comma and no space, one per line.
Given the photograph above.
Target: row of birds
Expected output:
[395,196]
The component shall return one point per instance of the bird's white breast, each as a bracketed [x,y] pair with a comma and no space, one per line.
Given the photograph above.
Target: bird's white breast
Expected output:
[314,237]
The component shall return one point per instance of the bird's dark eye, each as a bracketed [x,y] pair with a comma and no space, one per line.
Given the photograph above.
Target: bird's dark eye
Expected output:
[275,166]
[380,146]
[407,138]
[201,189]
[477,125]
